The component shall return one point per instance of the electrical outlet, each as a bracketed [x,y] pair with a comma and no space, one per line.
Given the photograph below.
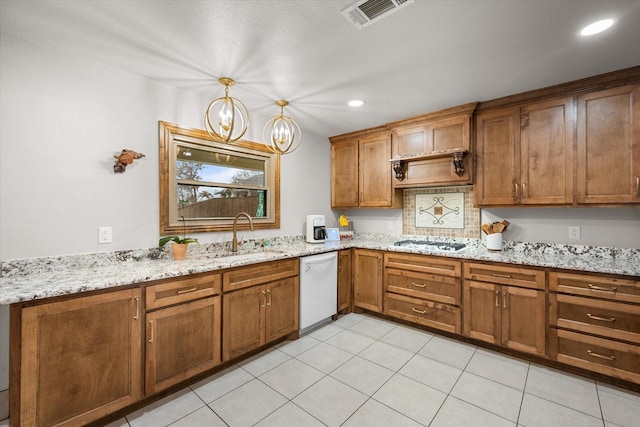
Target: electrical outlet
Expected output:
[389,225]
[574,232]
[105,235]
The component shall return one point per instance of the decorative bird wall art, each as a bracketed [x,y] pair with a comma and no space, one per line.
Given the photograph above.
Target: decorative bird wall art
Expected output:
[125,158]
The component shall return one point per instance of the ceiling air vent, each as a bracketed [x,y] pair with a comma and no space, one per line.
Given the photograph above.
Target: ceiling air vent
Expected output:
[367,12]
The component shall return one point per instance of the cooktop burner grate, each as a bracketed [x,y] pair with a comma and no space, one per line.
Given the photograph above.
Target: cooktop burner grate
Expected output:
[441,246]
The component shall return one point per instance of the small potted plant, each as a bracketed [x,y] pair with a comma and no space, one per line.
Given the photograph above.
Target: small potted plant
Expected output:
[180,245]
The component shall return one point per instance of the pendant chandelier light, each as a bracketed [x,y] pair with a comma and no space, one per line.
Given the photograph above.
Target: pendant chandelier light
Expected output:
[281,133]
[226,118]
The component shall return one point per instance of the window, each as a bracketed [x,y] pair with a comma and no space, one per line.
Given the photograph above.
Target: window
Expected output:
[206,183]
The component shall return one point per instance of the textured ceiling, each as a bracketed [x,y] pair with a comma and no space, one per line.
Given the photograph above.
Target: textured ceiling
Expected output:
[428,56]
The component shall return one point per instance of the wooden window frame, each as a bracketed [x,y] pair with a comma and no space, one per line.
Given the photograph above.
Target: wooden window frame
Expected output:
[169,135]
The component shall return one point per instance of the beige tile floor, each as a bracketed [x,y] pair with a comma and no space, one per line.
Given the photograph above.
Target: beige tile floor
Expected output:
[363,371]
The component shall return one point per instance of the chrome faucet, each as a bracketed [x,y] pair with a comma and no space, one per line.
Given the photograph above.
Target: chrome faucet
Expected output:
[234,241]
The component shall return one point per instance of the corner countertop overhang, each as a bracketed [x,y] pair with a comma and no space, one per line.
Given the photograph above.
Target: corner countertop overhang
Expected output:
[66,275]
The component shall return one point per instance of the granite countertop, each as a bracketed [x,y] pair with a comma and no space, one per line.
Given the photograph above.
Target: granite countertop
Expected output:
[25,280]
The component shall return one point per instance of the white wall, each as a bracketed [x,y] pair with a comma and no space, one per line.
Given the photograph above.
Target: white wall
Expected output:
[62,118]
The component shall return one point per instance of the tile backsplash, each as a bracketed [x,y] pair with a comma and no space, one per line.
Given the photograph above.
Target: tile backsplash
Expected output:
[471,228]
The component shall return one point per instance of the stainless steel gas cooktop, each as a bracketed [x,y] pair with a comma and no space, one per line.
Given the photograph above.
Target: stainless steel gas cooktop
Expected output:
[431,245]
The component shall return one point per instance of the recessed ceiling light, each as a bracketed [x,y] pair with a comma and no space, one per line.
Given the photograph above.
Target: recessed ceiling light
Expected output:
[596,27]
[355,103]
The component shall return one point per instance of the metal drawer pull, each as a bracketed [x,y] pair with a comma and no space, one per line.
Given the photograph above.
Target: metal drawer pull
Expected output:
[600,288]
[151,338]
[419,285]
[504,276]
[504,300]
[600,356]
[497,298]
[135,316]
[604,319]
[418,311]
[269,299]
[186,291]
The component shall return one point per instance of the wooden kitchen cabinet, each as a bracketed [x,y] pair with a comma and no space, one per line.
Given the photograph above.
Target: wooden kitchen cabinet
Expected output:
[501,314]
[425,144]
[498,156]
[76,360]
[261,304]
[424,289]
[182,339]
[608,146]
[361,171]
[344,174]
[594,323]
[345,281]
[367,279]
[525,154]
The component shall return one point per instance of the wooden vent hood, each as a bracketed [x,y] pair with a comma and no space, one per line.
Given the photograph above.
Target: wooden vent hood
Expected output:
[433,149]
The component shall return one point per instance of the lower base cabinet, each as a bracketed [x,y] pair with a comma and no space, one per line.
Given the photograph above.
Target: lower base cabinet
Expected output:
[345,281]
[260,309]
[506,315]
[181,341]
[77,360]
[495,311]
[423,289]
[595,323]
[367,279]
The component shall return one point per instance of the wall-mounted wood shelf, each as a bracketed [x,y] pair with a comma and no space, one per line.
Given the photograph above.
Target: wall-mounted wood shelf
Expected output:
[457,157]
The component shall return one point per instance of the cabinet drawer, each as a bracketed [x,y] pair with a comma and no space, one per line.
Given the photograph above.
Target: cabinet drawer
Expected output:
[611,319]
[423,263]
[439,316]
[182,290]
[257,274]
[443,289]
[595,286]
[499,273]
[607,357]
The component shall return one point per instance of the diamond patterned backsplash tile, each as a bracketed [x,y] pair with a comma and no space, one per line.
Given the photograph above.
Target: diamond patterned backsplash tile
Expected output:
[463,220]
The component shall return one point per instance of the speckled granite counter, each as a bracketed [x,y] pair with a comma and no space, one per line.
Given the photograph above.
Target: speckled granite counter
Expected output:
[38,278]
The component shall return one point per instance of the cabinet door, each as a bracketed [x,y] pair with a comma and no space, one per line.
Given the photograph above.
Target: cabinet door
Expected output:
[80,359]
[523,319]
[282,308]
[344,280]
[367,279]
[482,311]
[344,174]
[608,146]
[450,134]
[181,341]
[498,155]
[375,171]
[547,152]
[242,320]
[410,141]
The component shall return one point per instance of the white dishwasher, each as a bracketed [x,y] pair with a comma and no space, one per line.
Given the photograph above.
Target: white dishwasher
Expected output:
[318,289]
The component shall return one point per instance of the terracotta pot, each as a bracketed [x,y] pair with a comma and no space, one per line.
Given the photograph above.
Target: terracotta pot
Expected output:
[179,250]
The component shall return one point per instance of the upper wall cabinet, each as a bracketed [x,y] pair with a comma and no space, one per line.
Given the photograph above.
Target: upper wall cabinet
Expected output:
[608,146]
[361,171]
[577,143]
[525,154]
[433,149]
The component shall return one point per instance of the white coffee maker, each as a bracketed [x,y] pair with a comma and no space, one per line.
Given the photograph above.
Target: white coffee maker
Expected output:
[316,229]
